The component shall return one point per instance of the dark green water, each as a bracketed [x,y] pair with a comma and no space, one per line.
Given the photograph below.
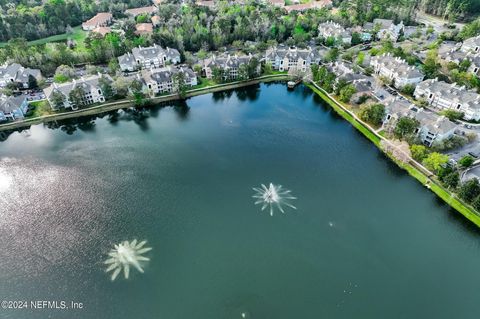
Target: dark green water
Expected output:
[367,240]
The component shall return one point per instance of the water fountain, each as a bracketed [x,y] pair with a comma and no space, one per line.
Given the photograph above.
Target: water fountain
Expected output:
[273,196]
[125,255]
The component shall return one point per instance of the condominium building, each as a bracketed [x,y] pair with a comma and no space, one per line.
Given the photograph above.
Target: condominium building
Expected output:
[148,57]
[396,70]
[90,86]
[442,95]
[284,58]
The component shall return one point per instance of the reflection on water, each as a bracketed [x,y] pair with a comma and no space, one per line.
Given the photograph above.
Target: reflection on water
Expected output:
[183,181]
[140,115]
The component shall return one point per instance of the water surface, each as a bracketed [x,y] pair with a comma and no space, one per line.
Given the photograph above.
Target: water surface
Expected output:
[367,240]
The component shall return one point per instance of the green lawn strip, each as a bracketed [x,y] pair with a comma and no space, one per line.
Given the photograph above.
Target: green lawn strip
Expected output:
[365,131]
[78,35]
[435,186]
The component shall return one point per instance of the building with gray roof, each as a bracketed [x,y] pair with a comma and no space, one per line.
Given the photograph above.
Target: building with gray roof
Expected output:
[15,73]
[284,58]
[396,70]
[432,127]
[91,88]
[471,45]
[148,57]
[335,30]
[230,64]
[442,95]
[161,80]
[13,107]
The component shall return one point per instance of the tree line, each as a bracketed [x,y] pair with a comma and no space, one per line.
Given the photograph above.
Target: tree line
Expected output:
[35,19]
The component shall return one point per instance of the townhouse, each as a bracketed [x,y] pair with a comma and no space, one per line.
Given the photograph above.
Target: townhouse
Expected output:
[102,19]
[386,29]
[13,107]
[442,95]
[15,73]
[148,57]
[162,80]
[396,70]
[334,30]
[283,58]
[90,87]
[432,127]
[230,64]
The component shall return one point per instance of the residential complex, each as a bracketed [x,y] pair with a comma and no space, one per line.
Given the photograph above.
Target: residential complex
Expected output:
[442,95]
[148,57]
[283,58]
[396,70]
[89,86]
[13,107]
[334,30]
[432,127]
[22,77]
[161,80]
[229,64]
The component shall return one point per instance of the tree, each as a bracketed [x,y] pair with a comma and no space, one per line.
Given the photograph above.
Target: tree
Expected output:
[356,38]
[106,86]
[466,161]
[332,55]
[218,74]
[431,66]
[180,84]
[373,113]
[252,68]
[435,161]
[32,82]
[135,86]
[267,68]
[451,180]
[419,152]
[76,96]
[347,92]
[314,69]
[242,72]
[330,41]
[121,86]
[57,99]
[405,127]
[64,73]
[452,115]
[408,89]
[469,190]
[476,203]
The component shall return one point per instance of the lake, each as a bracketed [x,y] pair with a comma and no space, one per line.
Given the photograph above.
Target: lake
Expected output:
[366,239]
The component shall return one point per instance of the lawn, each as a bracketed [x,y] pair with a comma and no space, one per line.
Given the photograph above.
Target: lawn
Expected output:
[78,35]
[40,108]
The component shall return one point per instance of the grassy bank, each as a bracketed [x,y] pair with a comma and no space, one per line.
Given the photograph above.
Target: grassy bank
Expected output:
[435,186]
[78,36]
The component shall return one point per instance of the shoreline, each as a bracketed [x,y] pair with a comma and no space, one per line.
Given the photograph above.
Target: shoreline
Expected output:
[125,103]
[414,169]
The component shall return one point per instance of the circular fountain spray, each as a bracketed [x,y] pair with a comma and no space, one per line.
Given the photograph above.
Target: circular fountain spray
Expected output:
[273,196]
[125,255]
